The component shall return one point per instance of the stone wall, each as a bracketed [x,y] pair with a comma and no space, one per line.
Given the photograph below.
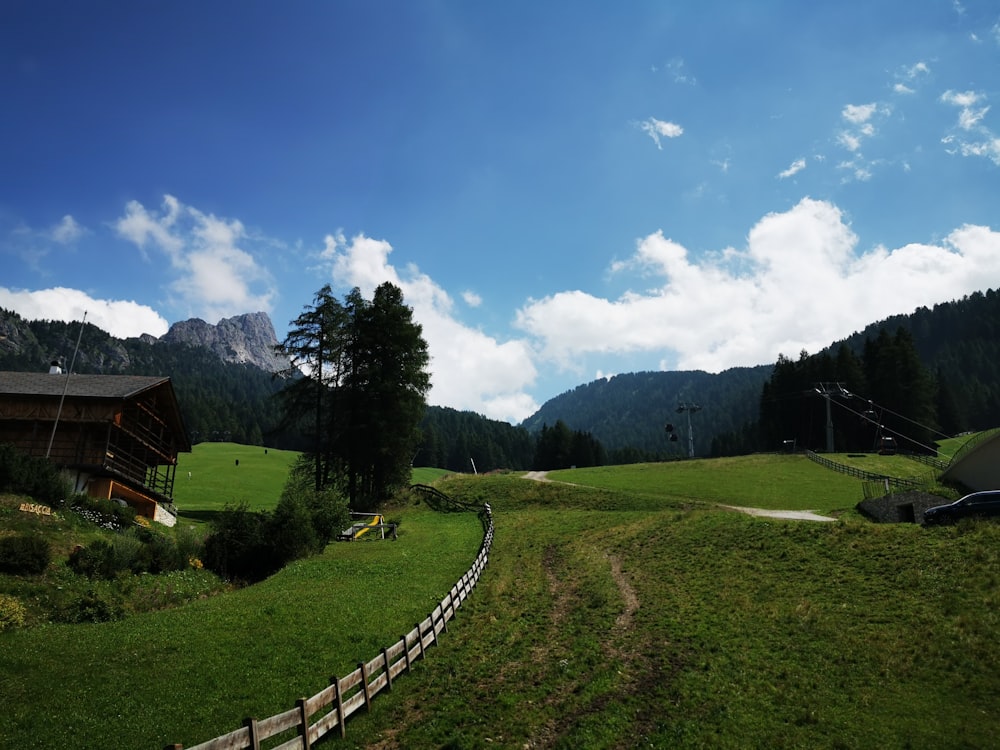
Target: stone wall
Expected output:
[900,507]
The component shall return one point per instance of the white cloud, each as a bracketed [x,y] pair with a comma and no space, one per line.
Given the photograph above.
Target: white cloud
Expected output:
[969,116]
[800,283]
[858,113]
[120,318]
[469,369]
[902,88]
[214,276]
[67,231]
[796,166]
[656,129]
[974,138]
[472,299]
[849,141]
[678,71]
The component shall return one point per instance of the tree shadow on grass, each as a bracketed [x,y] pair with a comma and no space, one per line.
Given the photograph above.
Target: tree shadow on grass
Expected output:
[198,516]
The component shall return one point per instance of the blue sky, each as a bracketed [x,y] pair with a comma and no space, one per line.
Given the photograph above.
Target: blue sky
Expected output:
[563,190]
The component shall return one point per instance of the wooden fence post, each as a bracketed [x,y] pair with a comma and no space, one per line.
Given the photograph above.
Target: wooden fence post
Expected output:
[406,651]
[301,704]
[251,724]
[388,668]
[340,706]
[364,685]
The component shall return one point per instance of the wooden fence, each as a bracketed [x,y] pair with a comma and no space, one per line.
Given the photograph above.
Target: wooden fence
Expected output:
[872,480]
[313,718]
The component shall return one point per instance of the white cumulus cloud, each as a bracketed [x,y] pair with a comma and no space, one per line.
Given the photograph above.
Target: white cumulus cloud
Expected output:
[120,318]
[800,283]
[469,369]
[213,274]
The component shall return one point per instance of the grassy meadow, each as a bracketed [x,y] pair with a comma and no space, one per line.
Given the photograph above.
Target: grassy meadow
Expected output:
[621,608]
[215,475]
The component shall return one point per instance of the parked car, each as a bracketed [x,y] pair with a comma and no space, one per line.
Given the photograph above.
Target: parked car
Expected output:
[977,505]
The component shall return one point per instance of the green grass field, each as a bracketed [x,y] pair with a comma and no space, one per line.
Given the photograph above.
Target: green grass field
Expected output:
[621,608]
[215,475]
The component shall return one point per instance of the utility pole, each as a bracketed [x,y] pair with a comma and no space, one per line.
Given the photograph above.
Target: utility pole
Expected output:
[826,390]
[690,409]
[55,423]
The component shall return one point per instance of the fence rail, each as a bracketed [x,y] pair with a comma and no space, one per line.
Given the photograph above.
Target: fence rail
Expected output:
[868,476]
[313,718]
[932,461]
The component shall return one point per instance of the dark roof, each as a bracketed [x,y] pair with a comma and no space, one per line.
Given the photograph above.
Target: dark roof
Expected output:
[80,386]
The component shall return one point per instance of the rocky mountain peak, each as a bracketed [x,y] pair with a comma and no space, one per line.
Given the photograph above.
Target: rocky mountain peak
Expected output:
[243,339]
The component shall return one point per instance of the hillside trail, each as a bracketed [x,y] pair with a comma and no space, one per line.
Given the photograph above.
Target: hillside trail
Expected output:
[795,515]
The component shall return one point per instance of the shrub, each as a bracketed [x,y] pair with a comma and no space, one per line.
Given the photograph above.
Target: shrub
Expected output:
[24,554]
[237,548]
[12,612]
[95,561]
[159,553]
[290,533]
[92,606]
[31,475]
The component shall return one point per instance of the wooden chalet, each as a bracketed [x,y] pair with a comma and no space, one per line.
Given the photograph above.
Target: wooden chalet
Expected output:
[114,436]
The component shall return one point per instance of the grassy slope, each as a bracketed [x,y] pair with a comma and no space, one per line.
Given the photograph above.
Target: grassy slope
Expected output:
[619,616]
[186,675]
[787,482]
[637,625]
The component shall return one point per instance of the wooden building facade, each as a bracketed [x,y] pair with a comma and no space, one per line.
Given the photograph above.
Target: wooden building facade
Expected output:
[113,436]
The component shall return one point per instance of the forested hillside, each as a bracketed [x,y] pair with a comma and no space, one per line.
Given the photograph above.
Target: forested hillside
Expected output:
[910,379]
[456,439]
[959,343]
[628,413]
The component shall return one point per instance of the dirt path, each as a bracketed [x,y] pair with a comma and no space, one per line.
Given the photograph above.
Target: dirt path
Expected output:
[538,476]
[795,515]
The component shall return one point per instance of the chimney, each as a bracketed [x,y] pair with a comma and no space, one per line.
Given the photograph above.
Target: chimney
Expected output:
[55,368]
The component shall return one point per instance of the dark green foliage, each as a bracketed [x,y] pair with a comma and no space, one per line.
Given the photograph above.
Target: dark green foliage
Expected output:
[559,447]
[959,342]
[364,396]
[327,508]
[134,551]
[93,605]
[249,546]
[237,547]
[887,392]
[94,561]
[450,438]
[31,475]
[24,554]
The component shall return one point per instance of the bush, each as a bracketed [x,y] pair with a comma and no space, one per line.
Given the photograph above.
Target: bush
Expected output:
[93,606]
[290,531]
[95,561]
[237,548]
[24,554]
[31,475]
[12,612]
[132,551]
